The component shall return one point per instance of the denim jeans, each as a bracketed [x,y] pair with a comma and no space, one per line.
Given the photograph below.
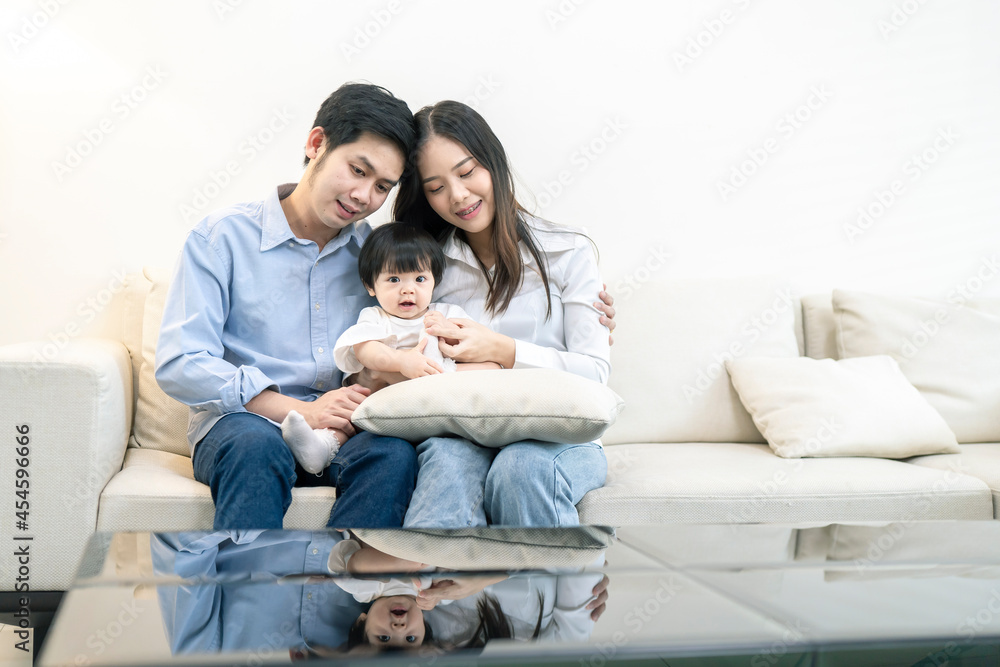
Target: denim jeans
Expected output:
[526,483]
[251,472]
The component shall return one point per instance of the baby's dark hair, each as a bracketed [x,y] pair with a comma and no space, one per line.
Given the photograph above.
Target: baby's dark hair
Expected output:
[398,246]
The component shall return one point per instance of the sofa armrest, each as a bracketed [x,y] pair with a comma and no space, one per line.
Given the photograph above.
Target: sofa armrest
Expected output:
[75,404]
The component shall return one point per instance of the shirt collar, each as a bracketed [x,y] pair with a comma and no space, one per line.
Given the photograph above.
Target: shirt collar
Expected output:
[275,229]
[274,224]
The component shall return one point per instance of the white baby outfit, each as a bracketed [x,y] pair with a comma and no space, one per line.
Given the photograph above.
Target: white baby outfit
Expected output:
[395,332]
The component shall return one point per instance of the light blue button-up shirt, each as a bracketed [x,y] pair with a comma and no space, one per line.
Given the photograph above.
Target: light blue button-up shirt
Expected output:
[227,603]
[252,307]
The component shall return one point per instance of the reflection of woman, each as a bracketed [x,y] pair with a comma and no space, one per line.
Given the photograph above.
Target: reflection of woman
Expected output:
[560,607]
[533,285]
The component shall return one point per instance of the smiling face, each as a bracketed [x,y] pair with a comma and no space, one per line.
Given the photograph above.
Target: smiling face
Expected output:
[456,185]
[395,621]
[405,294]
[348,183]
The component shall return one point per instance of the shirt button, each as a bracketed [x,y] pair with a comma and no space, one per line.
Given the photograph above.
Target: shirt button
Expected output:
[309,596]
[317,305]
[319,385]
[315,551]
[291,245]
[320,350]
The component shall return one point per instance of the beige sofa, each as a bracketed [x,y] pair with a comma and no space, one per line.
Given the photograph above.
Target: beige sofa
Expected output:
[108,449]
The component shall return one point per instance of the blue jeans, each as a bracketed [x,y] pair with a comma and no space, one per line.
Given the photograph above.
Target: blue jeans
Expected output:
[526,483]
[251,472]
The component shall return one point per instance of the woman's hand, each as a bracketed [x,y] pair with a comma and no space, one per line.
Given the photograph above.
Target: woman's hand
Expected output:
[599,603]
[606,306]
[466,340]
[452,589]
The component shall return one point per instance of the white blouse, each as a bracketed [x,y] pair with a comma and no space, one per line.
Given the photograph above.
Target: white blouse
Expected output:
[572,338]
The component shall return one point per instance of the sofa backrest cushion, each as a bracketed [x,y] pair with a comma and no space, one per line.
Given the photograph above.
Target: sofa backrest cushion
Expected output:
[160,422]
[819,330]
[948,350]
[672,341]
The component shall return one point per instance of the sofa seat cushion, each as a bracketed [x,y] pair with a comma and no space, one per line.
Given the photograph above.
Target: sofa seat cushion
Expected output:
[746,483]
[156,491]
[981,460]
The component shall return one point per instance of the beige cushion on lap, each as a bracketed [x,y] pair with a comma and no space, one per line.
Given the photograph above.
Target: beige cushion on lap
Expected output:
[949,351]
[493,408]
[852,407]
[494,549]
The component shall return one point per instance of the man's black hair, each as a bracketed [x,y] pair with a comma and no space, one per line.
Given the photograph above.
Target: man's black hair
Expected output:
[356,108]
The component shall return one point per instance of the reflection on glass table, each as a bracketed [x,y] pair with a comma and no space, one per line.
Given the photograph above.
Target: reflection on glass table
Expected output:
[904,593]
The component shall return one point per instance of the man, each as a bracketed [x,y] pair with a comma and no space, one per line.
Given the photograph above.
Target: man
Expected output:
[261,292]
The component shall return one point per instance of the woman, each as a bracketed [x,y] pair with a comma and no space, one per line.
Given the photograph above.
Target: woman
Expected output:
[532,285]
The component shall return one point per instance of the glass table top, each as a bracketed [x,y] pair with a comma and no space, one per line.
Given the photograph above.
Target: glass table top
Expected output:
[672,594]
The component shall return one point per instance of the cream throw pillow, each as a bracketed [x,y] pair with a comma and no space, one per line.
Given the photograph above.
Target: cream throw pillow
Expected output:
[493,408]
[949,351]
[853,407]
[160,421]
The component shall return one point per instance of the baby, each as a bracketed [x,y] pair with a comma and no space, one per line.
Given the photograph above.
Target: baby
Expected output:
[399,265]
[394,619]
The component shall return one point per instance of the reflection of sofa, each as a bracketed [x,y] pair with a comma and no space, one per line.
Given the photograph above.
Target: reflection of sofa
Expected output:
[108,449]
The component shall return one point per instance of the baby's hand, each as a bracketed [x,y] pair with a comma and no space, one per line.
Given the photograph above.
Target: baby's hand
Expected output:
[413,363]
[432,317]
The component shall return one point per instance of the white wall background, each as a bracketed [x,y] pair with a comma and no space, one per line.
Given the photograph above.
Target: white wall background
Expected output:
[669,97]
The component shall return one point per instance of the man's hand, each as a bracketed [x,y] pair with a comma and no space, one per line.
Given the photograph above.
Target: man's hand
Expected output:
[599,604]
[606,306]
[335,408]
[413,363]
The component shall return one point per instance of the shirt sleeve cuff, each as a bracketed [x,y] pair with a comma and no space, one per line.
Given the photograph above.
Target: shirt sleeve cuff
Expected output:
[341,554]
[529,355]
[247,383]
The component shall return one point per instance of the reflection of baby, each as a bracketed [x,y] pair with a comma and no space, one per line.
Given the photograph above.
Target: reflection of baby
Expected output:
[399,265]
[394,619]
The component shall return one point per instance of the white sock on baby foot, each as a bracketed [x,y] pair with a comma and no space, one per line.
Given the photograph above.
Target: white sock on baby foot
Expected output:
[314,449]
